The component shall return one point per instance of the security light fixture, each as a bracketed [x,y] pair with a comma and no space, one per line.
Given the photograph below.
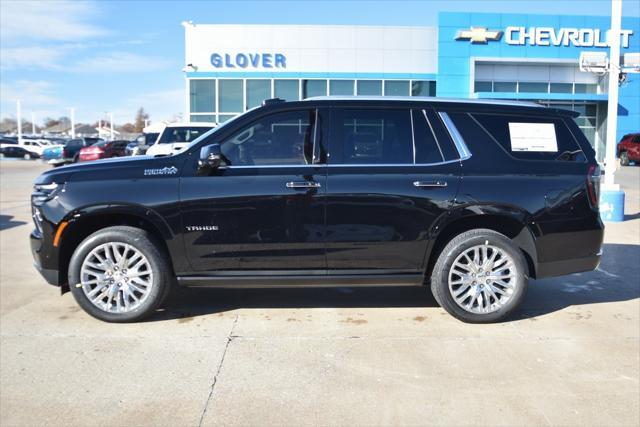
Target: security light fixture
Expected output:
[594,62]
[631,63]
[189,67]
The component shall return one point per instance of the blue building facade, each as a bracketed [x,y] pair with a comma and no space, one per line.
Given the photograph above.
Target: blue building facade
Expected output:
[231,68]
[535,58]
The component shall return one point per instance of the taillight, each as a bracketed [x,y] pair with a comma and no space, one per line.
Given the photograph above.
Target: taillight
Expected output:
[593,186]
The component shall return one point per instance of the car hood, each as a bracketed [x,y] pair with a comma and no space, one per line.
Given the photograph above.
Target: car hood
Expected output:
[115,168]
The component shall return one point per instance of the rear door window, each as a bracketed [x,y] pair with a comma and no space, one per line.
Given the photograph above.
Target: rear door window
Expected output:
[371,136]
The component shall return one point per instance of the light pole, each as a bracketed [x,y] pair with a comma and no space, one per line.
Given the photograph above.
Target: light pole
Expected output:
[612,198]
[33,123]
[111,124]
[19,119]
[73,122]
[612,105]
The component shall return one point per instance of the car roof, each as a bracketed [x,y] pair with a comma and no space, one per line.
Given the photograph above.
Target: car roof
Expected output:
[191,124]
[460,104]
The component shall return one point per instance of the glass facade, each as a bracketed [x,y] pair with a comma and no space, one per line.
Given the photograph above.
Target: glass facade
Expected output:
[341,87]
[311,88]
[369,87]
[218,100]
[534,87]
[286,89]
[396,88]
[257,91]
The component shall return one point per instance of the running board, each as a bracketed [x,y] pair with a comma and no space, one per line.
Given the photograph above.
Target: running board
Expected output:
[287,281]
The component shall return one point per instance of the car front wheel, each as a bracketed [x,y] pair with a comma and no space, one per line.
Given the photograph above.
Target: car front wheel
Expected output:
[119,274]
[480,277]
[624,158]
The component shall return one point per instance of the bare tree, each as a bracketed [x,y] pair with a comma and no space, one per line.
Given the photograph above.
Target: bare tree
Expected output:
[141,117]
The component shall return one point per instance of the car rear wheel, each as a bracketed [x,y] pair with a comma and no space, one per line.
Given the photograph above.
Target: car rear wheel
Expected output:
[27,156]
[119,274]
[480,277]
[624,158]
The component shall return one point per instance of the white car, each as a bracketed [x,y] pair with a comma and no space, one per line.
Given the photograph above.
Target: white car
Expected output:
[34,145]
[176,136]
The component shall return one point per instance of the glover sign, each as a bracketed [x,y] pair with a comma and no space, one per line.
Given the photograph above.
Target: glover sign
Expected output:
[249,60]
[548,36]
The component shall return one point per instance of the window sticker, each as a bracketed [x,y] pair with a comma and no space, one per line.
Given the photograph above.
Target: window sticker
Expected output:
[533,137]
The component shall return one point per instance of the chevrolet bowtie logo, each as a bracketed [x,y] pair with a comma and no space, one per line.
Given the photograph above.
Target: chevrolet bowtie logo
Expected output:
[478,35]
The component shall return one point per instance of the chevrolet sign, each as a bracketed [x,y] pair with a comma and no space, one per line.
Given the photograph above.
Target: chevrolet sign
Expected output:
[544,36]
[578,37]
[478,35]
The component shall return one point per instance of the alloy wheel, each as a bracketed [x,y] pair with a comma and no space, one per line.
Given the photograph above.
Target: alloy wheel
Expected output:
[116,277]
[482,279]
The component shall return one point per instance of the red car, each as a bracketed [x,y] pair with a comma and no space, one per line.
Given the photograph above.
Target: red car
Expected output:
[103,150]
[629,149]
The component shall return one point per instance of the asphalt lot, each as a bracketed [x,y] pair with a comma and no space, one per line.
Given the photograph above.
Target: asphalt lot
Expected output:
[309,356]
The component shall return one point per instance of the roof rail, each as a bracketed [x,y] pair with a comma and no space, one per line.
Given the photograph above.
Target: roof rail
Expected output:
[272,101]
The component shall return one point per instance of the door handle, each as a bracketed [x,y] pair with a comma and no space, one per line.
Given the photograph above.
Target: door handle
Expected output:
[303,184]
[429,183]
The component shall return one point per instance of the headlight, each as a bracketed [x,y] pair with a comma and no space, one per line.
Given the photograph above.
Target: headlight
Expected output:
[44,192]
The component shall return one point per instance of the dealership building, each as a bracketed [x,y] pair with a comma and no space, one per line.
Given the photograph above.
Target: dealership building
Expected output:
[232,68]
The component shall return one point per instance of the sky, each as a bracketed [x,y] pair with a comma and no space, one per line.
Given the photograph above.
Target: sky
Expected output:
[116,56]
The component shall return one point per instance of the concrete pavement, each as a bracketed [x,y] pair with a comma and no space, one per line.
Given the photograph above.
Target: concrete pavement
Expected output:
[320,356]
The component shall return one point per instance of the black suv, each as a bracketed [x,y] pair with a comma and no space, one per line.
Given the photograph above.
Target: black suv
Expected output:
[469,198]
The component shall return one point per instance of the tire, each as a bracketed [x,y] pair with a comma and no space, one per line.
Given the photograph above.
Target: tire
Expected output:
[624,159]
[76,158]
[152,268]
[508,291]
[27,156]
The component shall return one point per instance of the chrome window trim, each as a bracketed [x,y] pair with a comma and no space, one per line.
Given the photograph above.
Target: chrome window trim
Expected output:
[315,136]
[424,113]
[413,136]
[350,165]
[462,148]
[395,165]
[270,166]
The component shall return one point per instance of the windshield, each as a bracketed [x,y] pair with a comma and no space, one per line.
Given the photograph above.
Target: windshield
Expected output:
[182,134]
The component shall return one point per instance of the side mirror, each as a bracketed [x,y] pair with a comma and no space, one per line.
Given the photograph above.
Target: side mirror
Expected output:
[210,157]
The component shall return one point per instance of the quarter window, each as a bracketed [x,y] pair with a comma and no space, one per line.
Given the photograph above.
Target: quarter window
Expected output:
[278,139]
[372,136]
[501,126]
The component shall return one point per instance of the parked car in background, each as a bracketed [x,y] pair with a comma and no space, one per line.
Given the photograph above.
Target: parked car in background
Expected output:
[35,145]
[141,144]
[177,136]
[103,150]
[17,151]
[629,149]
[6,141]
[53,155]
[71,151]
